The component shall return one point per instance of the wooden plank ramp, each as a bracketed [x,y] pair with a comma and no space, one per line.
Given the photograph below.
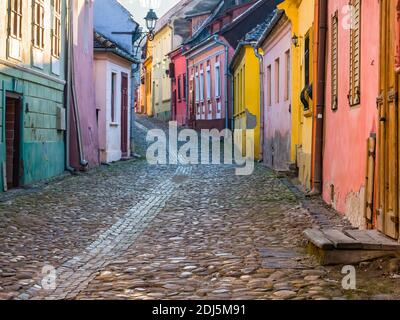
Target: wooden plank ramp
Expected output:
[349,246]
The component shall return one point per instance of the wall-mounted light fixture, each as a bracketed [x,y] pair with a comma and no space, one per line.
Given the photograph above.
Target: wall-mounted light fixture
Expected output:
[295,40]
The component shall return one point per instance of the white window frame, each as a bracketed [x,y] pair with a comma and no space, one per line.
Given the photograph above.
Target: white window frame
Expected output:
[197,86]
[202,85]
[217,71]
[208,77]
[38,24]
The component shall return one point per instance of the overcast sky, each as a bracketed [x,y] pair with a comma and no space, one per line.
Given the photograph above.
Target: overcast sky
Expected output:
[139,8]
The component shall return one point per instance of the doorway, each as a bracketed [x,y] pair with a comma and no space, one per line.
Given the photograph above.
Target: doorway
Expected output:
[124,115]
[387,213]
[13,140]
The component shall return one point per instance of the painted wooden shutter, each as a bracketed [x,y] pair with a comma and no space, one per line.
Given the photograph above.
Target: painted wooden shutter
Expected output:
[334,61]
[355,53]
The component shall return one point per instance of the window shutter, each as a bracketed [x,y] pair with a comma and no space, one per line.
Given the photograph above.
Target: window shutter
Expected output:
[355,53]
[334,61]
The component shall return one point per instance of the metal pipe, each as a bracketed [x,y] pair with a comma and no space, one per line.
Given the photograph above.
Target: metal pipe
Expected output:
[262,94]
[226,79]
[82,160]
[320,95]
[68,88]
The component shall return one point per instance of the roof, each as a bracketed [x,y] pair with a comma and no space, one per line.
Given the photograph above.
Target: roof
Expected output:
[251,20]
[221,9]
[254,35]
[102,44]
[270,27]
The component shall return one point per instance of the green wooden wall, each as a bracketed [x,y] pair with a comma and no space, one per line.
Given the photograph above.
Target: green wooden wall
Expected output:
[43,146]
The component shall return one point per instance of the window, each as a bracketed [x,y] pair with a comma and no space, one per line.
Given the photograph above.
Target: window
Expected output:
[277,80]
[355,53]
[287,75]
[201,85]
[197,86]
[334,61]
[179,89]
[208,83]
[15,19]
[38,24]
[184,86]
[56,32]
[217,81]
[269,89]
[113,96]
[307,60]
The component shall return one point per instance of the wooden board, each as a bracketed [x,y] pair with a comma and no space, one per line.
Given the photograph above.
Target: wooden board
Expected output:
[340,240]
[367,242]
[318,239]
[387,243]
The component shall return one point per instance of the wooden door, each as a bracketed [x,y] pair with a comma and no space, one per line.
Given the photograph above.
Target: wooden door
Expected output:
[124,114]
[387,213]
[13,142]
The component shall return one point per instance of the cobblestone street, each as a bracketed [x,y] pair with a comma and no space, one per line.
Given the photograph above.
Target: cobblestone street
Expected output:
[135,231]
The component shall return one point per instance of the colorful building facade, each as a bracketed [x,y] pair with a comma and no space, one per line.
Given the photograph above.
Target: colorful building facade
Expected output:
[351,116]
[162,45]
[386,202]
[301,15]
[246,77]
[145,104]
[32,83]
[178,82]
[113,67]
[83,137]
[276,46]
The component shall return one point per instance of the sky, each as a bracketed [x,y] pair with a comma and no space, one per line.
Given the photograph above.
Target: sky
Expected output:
[139,8]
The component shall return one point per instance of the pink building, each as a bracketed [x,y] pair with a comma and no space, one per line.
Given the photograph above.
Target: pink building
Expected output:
[83,131]
[276,46]
[178,80]
[350,104]
[209,52]
[113,66]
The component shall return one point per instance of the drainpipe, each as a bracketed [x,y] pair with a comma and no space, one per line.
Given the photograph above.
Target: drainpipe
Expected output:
[320,94]
[187,93]
[68,88]
[261,61]
[82,160]
[226,79]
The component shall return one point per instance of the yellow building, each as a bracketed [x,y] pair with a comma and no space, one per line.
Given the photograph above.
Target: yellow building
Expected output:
[145,92]
[301,15]
[245,68]
[161,95]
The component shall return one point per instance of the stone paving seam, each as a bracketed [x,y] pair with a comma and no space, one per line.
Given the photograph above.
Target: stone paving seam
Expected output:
[109,245]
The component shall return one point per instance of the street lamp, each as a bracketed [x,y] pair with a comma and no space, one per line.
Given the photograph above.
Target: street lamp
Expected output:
[151,20]
[138,35]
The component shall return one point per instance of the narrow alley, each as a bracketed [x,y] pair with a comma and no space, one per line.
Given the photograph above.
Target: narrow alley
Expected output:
[135,231]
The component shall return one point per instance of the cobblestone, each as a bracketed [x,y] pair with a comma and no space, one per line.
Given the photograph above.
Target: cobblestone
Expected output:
[135,231]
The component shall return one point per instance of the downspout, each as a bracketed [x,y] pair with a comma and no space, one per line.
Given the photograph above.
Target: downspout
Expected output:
[320,95]
[187,93]
[226,79]
[82,160]
[262,93]
[68,88]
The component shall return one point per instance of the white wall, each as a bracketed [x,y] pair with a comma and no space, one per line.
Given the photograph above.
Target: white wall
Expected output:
[110,132]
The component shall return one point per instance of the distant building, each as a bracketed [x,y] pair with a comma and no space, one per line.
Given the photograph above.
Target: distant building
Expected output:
[111,19]
[179,94]
[276,43]
[113,66]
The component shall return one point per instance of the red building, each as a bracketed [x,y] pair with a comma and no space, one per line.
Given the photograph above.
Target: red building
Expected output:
[178,80]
